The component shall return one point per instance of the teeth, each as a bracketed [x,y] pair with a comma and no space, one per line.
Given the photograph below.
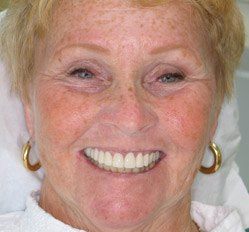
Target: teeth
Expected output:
[120,163]
[108,159]
[139,161]
[88,152]
[151,157]
[92,153]
[130,161]
[146,160]
[101,159]
[96,154]
[157,156]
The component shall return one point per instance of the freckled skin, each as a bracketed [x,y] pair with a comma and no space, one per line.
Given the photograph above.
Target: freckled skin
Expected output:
[179,119]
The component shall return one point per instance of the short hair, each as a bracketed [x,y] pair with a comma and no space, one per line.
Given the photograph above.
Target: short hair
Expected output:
[27,21]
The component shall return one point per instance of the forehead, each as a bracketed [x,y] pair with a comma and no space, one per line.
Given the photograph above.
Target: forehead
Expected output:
[111,21]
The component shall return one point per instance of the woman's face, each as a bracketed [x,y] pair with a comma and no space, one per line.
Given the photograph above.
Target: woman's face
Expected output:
[122,79]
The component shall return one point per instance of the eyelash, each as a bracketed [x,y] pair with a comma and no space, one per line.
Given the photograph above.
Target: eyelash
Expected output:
[76,73]
[167,78]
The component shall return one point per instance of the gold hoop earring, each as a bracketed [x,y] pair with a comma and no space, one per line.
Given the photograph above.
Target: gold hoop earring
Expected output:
[25,156]
[217,160]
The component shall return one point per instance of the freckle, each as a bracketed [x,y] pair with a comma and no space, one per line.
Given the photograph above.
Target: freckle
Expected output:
[121,97]
[130,89]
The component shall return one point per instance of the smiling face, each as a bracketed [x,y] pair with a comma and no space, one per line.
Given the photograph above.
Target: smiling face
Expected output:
[113,80]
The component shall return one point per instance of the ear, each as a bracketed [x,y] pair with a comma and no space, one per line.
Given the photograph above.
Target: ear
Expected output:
[28,112]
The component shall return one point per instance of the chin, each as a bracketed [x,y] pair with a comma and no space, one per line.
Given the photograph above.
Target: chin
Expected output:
[121,214]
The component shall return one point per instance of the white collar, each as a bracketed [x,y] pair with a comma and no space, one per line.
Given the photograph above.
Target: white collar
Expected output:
[209,218]
[216,218]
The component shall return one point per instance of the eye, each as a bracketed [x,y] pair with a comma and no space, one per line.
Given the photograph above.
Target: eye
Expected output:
[82,73]
[171,78]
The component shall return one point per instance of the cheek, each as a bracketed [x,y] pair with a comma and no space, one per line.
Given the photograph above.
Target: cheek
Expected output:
[61,117]
[187,119]
[185,123]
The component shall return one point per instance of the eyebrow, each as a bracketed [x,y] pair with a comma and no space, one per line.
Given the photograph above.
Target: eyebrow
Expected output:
[86,46]
[165,49]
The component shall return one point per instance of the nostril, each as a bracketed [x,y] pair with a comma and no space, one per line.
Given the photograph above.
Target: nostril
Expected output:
[130,116]
[129,127]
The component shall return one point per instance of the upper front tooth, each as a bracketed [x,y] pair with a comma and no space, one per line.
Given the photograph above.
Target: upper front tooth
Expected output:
[130,161]
[139,161]
[108,159]
[118,161]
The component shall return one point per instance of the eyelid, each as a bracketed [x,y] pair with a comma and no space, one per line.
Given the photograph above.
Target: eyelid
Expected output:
[90,64]
[176,76]
[162,69]
[84,66]
[70,72]
[95,67]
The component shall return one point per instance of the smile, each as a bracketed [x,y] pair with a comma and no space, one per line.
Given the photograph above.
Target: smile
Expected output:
[131,162]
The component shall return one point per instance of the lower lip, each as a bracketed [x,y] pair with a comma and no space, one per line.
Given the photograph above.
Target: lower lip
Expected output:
[123,174]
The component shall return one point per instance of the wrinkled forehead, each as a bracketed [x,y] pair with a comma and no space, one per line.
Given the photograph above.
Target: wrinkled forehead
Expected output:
[170,22]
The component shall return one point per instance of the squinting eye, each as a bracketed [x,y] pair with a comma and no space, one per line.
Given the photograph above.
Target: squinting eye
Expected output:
[82,73]
[171,78]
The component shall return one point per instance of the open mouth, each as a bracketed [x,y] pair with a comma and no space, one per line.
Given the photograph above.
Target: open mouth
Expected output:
[131,162]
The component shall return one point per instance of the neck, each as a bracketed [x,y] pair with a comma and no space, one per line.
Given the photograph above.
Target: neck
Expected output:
[175,218]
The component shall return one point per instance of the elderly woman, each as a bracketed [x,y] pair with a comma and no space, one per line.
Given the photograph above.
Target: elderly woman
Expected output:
[121,100]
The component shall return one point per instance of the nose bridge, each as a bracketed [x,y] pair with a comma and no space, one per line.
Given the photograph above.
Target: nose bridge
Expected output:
[130,114]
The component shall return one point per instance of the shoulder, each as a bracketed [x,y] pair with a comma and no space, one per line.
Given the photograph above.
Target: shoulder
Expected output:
[10,222]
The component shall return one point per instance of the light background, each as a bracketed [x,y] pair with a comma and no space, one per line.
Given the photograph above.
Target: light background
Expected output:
[242,86]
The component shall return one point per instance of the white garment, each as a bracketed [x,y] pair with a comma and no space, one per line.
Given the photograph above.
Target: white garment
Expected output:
[35,219]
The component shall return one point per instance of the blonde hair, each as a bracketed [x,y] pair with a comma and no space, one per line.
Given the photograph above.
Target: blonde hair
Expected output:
[27,21]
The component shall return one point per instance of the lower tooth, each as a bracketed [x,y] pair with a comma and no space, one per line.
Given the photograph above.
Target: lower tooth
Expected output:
[135,170]
[113,169]
[152,165]
[128,170]
[99,166]
[107,168]
[121,169]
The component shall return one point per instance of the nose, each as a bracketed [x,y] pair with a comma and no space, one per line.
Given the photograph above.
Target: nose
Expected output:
[129,114]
